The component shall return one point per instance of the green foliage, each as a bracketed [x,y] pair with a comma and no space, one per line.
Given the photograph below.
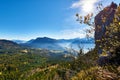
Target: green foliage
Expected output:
[32,64]
[12,66]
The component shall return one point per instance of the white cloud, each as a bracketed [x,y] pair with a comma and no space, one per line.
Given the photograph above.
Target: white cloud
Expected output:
[85,6]
[74,29]
[72,33]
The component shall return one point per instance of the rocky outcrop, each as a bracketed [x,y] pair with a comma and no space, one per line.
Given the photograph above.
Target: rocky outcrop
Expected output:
[102,20]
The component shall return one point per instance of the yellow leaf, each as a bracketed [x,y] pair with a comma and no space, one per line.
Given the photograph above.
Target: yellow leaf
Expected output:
[0,73]
[119,23]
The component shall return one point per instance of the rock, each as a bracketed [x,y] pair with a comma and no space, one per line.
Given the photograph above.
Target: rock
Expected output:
[103,19]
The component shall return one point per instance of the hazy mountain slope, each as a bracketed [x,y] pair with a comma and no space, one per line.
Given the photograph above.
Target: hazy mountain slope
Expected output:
[45,43]
[6,44]
[56,44]
[19,41]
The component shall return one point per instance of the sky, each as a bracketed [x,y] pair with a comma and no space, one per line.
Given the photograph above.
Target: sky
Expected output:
[29,19]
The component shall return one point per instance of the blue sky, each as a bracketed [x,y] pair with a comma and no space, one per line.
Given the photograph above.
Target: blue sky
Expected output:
[27,19]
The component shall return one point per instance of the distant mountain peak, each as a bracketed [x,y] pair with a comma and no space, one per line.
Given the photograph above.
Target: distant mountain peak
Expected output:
[44,40]
[55,44]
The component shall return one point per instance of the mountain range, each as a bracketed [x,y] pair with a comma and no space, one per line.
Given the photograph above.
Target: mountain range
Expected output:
[55,44]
